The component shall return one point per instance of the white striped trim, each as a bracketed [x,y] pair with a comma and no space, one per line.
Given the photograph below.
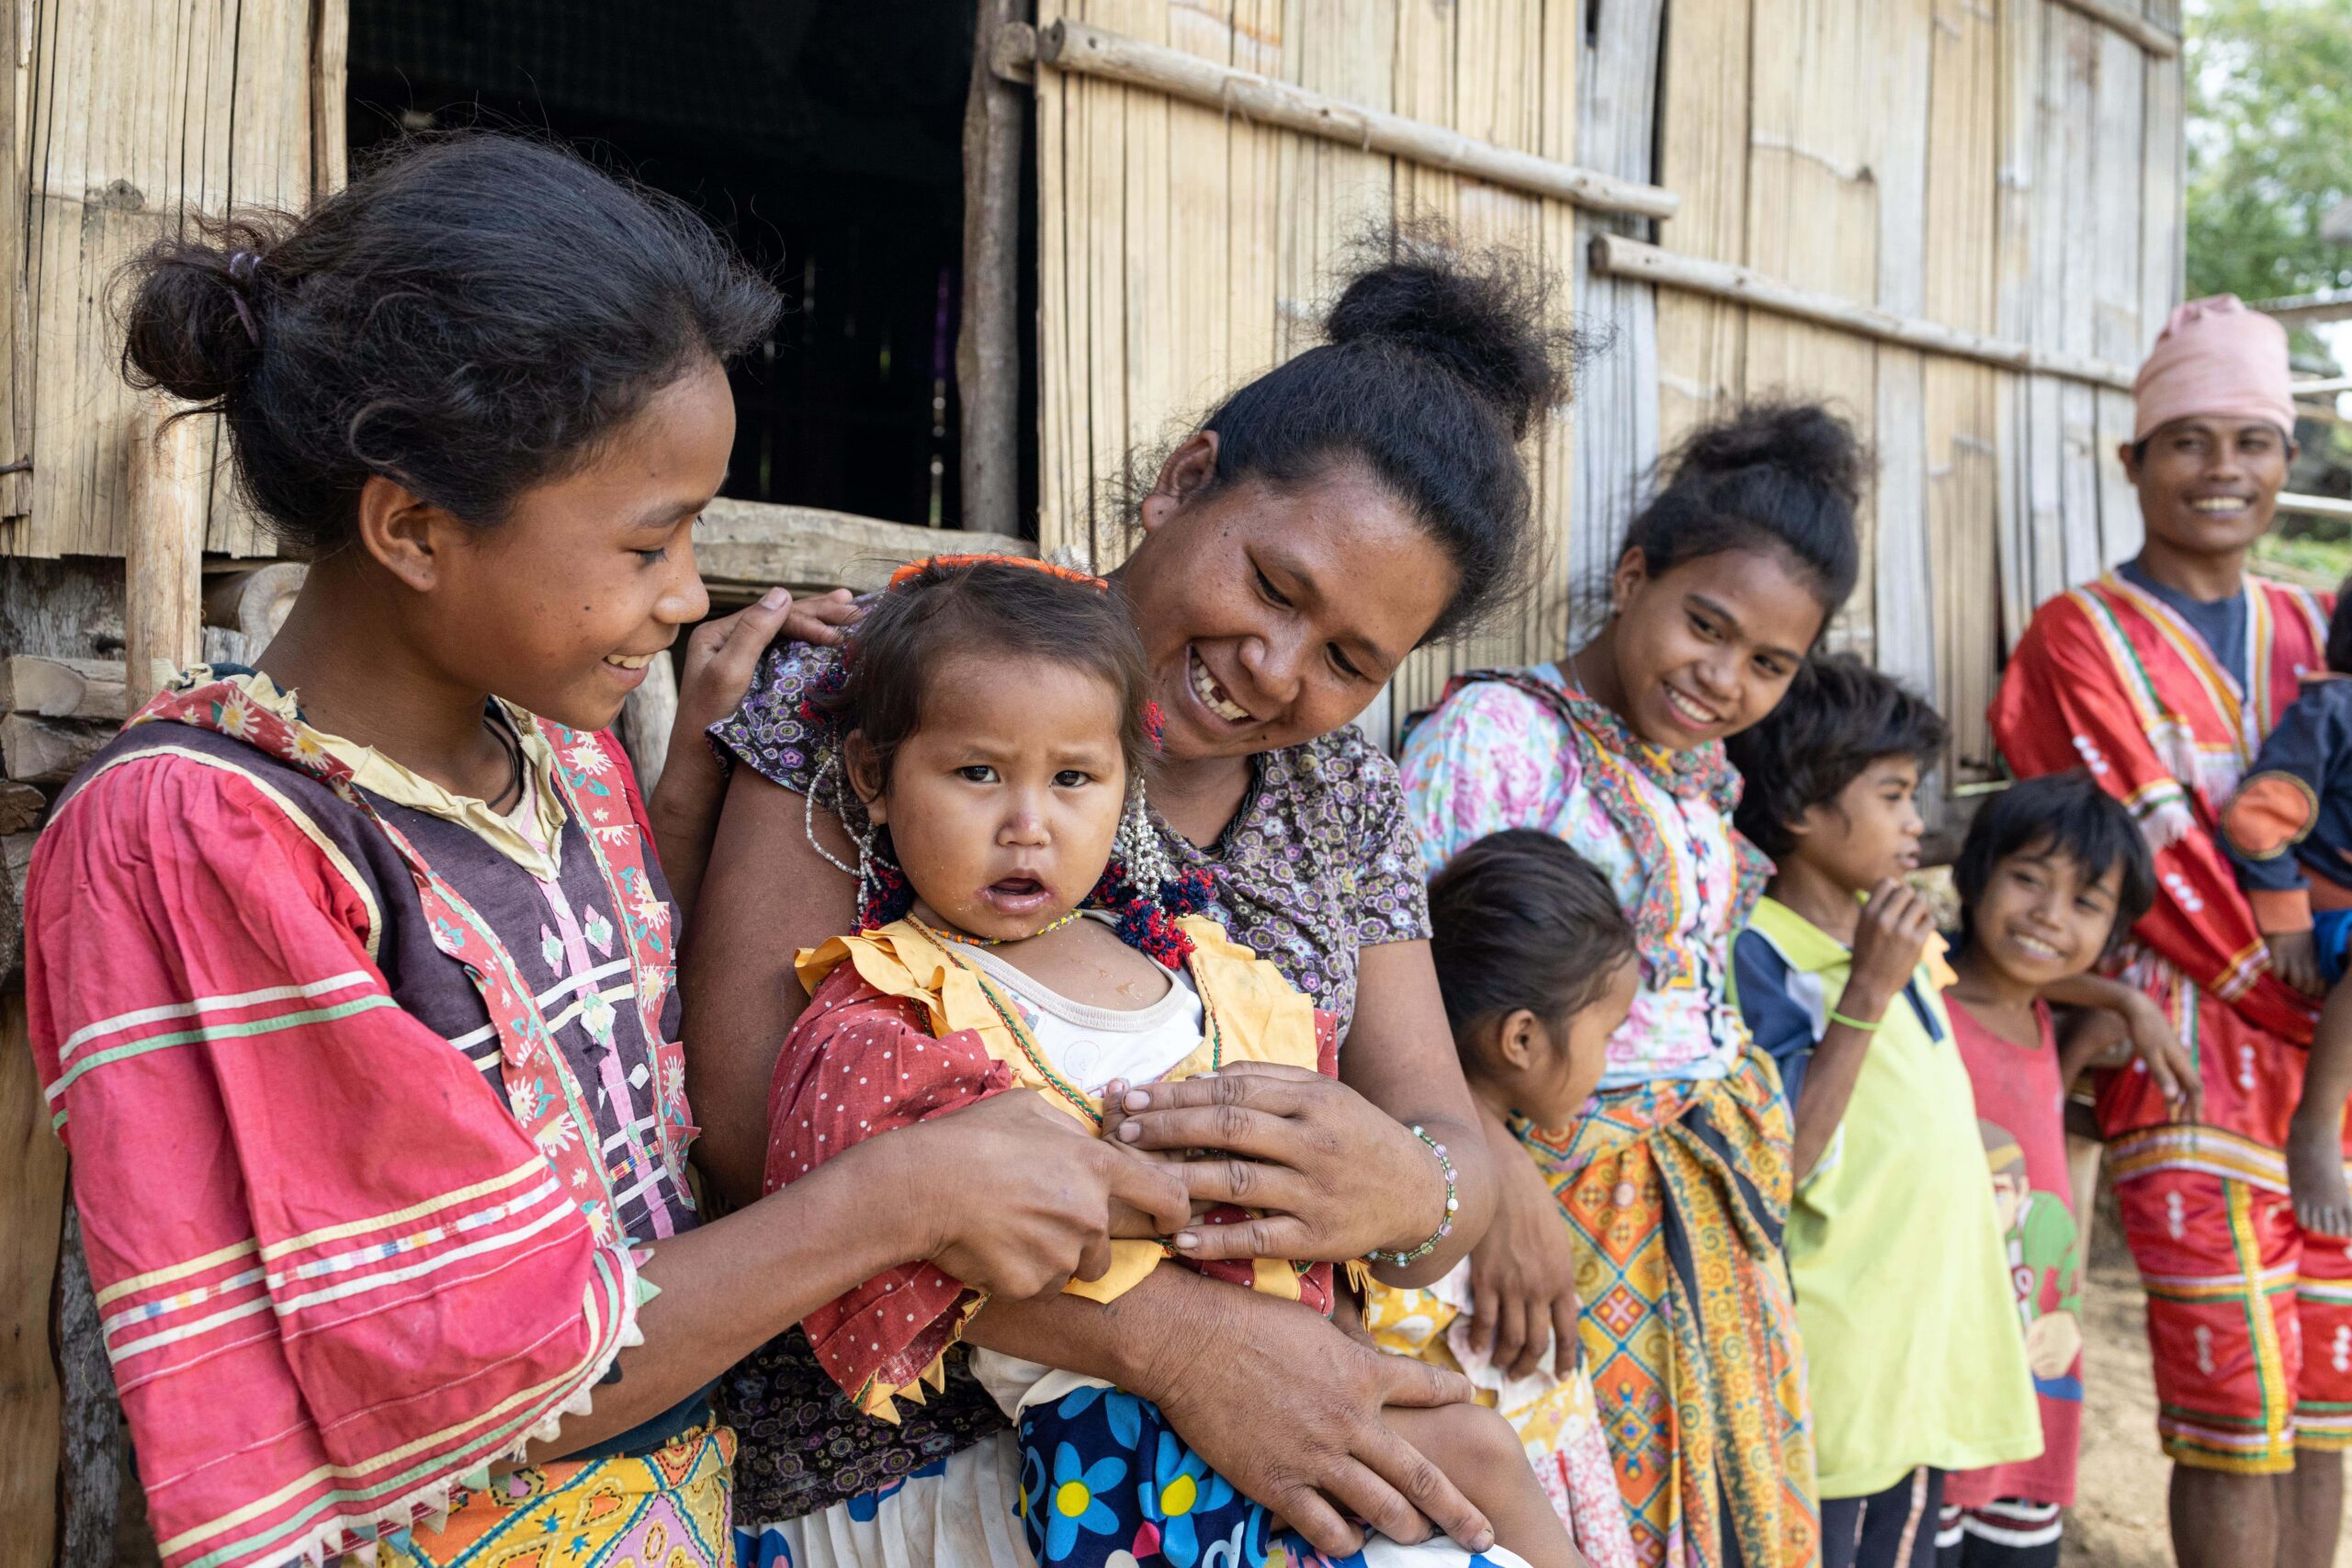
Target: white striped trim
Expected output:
[606,1337]
[90,1032]
[277,1250]
[169,1272]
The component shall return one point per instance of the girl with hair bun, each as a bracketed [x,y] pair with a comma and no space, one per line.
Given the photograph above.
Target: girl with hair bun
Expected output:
[1328,517]
[1677,1182]
[350,976]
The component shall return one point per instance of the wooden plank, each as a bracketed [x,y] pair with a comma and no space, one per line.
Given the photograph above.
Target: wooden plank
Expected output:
[1960,396]
[2018,177]
[758,544]
[1744,284]
[330,117]
[1904,618]
[1061,443]
[1072,46]
[48,750]
[2130,24]
[2067,238]
[30,1205]
[1702,340]
[1617,404]
[2112,240]
[15,486]
[61,688]
[2164,177]
[988,339]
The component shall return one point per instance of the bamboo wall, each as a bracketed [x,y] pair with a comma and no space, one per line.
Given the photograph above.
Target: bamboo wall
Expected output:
[124,112]
[1181,250]
[2006,167]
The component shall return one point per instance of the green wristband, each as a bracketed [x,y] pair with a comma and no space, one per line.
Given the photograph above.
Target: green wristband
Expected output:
[1870,1028]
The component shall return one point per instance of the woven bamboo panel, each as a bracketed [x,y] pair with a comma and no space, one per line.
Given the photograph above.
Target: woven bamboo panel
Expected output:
[137,111]
[1183,251]
[2003,167]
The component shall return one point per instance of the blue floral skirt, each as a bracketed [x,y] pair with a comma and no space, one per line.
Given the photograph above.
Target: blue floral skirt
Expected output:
[1106,1483]
[995,1505]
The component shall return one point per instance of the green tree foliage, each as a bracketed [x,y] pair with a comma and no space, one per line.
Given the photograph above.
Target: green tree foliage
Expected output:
[2270,145]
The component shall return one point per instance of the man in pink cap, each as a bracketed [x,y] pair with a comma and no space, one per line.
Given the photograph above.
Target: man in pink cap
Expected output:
[2161,679]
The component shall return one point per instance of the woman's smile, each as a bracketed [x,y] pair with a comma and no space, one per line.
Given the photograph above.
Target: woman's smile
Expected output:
[1211,692]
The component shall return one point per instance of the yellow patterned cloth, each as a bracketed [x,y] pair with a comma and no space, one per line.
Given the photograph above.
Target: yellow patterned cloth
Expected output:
[1553,1414]
[665,1509]
[1675,1194]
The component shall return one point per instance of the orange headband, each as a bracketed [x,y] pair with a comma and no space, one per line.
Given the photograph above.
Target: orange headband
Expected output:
[913,569]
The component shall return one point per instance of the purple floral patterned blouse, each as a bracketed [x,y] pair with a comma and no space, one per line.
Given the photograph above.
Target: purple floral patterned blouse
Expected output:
[1320,861]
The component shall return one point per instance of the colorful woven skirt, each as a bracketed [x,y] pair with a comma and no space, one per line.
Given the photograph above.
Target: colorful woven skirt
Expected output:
[665,1509]
[1677,1194]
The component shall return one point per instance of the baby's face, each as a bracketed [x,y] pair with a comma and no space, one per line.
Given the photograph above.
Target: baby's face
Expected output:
[1002,806]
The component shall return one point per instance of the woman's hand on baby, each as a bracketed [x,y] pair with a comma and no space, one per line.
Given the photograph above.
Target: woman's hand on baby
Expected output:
[1888,945]
[1263,1368]
[1522,1272]
[716,666]
[1015,1200]
[1332,1175]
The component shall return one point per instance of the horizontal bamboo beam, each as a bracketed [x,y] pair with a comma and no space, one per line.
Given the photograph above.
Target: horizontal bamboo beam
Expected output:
[1745,286]
[2316,506]
[2307,310]
[2126,18]
[2326,388]
[1262,100]
[752,545]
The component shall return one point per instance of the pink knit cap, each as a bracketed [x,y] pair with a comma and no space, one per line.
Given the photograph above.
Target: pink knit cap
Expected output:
[2219,360]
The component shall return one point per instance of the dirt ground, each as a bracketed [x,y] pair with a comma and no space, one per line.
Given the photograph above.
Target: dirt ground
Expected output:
[2119,1517]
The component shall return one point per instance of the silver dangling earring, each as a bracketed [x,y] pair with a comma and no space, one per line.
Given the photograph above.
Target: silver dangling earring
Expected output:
[868,892]
[1137,845]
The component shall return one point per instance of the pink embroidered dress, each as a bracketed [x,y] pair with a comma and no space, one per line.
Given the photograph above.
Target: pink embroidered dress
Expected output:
[371,1091]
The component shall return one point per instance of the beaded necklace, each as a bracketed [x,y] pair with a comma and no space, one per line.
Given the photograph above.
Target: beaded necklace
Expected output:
[1023,1037]
[968,940]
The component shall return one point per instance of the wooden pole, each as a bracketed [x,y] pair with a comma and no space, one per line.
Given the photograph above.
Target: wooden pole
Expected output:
[164,552]
[1745,286]
[1074,46]
[988,346]
[648,716]
[32,1205]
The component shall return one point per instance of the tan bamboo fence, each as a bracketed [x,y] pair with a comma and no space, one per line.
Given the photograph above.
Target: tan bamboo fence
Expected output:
[1957,219]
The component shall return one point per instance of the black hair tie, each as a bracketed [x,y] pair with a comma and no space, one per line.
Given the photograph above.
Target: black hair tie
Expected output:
[245,266]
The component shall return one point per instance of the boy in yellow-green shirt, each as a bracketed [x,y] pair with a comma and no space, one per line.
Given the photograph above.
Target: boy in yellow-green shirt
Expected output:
[1913,1363]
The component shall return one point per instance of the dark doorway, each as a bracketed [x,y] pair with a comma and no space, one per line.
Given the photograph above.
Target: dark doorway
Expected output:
[823,138]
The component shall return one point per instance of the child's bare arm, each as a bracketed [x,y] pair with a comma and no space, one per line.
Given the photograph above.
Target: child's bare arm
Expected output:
[2152,1038]
[1477,1450]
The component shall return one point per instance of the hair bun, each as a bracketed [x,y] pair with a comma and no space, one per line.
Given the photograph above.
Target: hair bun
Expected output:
[193,326]
[1802,441]
[1481,315]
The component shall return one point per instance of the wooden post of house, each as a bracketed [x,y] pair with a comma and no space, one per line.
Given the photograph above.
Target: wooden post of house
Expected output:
[988,346]
[162,553]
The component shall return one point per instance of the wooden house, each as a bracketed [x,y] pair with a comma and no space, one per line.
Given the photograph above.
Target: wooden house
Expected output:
[1022,239]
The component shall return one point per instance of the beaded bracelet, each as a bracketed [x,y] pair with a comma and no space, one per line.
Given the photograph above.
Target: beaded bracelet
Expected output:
[1445,1225]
